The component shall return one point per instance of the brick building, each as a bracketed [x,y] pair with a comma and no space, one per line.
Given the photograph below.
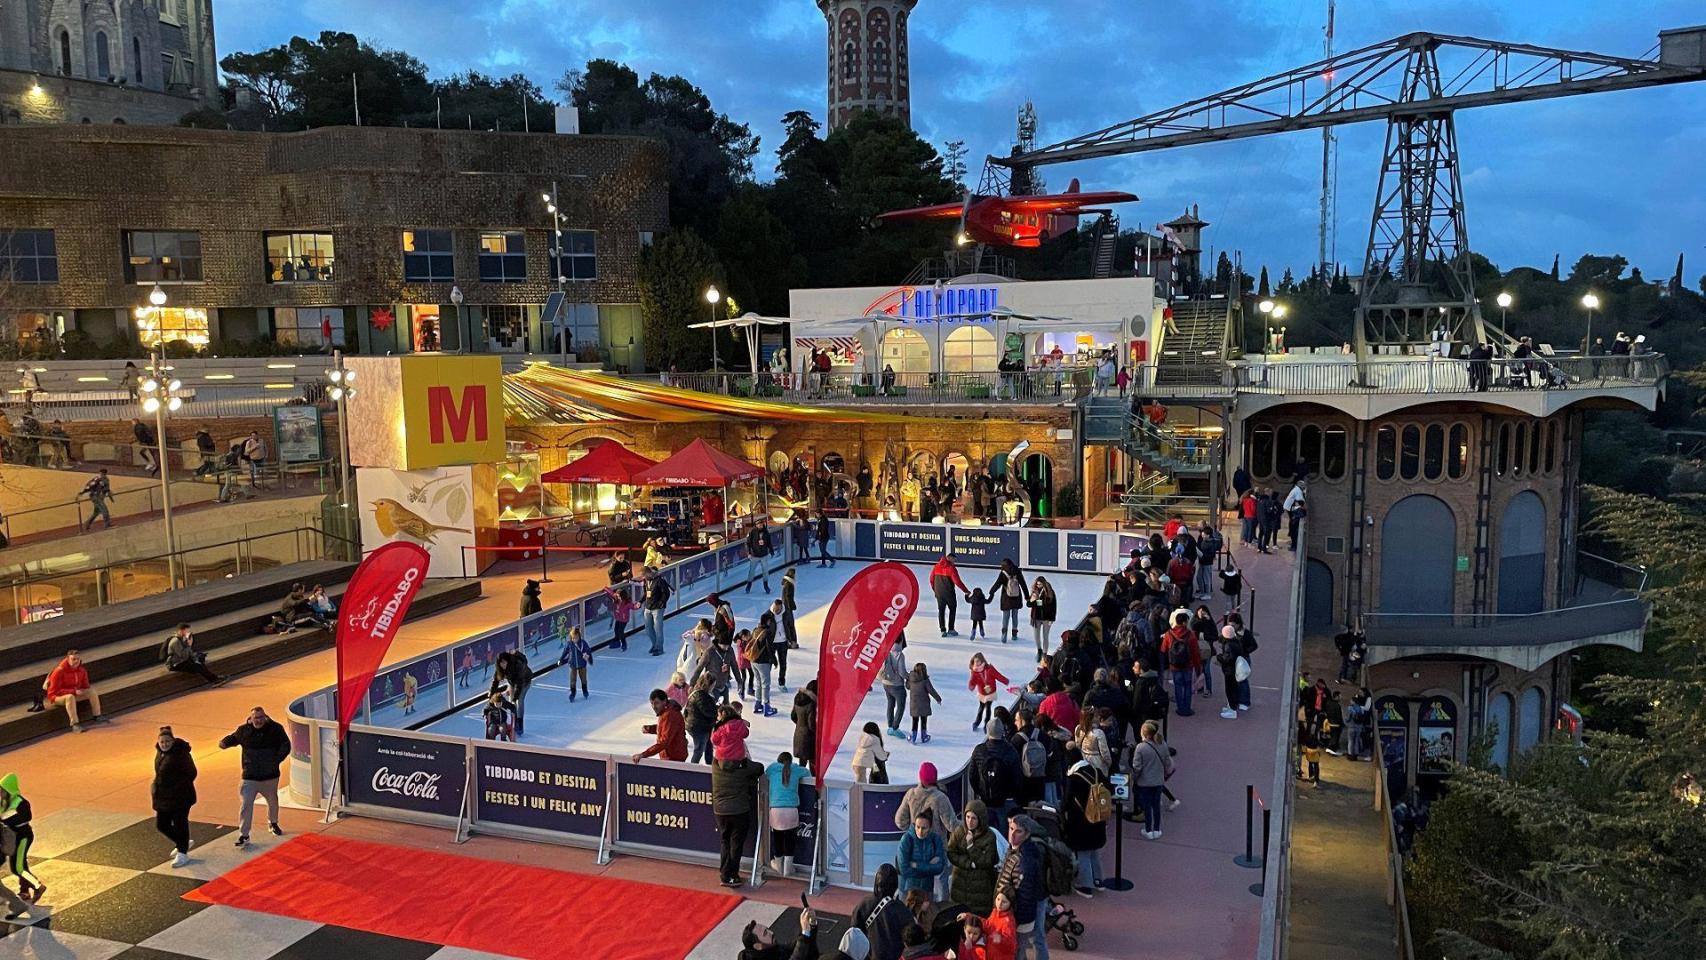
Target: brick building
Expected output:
[372,232]
[868,58]
[106,61]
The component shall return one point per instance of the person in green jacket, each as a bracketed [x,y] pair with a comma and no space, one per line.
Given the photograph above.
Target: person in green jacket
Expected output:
[976,857]
[15,818]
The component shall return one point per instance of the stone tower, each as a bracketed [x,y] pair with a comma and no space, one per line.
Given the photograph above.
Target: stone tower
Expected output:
[868,63]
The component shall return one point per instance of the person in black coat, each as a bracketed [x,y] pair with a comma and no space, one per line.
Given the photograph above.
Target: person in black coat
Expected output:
[265,746]
[882,914]
[513,669]
[804,715]
[996,776]
[530,598]
[173,792]
[1079,833]
[1014,593]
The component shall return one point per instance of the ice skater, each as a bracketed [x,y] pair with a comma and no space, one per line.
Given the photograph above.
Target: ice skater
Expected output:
[979,614]
[920,691]
[497,713]
[983,682]
[577,656]
[622,607]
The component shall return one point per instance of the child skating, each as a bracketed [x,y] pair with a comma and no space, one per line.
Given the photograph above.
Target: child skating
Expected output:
[984,682]
[728,737]
[870,757]
[979,613]
[622,607]
[920,691]
[499,714]
[577,656]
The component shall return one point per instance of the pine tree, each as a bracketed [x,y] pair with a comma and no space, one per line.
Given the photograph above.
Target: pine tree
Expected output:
[1555,266]
[1287,284]
[1262,284]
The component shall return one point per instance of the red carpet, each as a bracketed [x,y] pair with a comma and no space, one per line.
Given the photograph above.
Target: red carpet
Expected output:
[466,902]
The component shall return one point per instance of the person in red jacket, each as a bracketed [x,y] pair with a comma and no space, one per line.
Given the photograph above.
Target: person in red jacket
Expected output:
[1247,518]
[1179,651]
[670,729]
[68,681]
[1059,706]
[944,577]
[984,678]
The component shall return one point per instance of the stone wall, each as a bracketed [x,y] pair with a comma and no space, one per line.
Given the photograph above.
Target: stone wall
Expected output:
[46,98]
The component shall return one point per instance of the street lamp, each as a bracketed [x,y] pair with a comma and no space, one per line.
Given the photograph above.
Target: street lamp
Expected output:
[713,296]
[461,324]
[343,388]
[1504,300]
[557,268]
[1590,300]
[159,397]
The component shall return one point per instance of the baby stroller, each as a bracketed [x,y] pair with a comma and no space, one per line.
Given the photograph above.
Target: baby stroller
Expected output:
[1058,916]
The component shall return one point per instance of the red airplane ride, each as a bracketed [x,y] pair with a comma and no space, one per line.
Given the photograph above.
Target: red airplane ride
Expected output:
[1024,221]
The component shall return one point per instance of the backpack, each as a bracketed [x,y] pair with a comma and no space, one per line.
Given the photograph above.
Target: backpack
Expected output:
[1012,587]
[165,647]
[1248,642]
[1098,802]
[1033,758]
[1060,867]
[993,790]
[1179,655]
[1155,699]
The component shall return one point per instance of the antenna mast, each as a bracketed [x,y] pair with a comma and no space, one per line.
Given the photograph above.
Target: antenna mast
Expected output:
[1329,145]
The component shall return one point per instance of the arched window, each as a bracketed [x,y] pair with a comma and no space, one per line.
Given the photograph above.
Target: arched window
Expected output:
[1522,555]
[1502,463]
[65,52]
[849,61]
[1385,452]
[1433,451]
[906,351]
[1501,717]
[1333,453]
[103,57]
[1418,553]
[1309,449]
[1285,452]
[1262,451]
[1534,446]
[1410,453]
[1531,719]
[1458,464]
[879,59]
[1519,449]
[1551,446]
[969,350]
[136,58]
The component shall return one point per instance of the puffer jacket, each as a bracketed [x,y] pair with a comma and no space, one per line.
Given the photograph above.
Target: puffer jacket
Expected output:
[174,777]
[734,786]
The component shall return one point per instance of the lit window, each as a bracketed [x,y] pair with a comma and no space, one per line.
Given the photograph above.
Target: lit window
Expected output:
[307,326]
[165,324]
[427,256]
[162,257]
[299,258]
[503,257]
[28,256]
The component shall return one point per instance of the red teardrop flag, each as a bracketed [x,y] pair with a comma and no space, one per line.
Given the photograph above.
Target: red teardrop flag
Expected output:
[863,622]
[373,606]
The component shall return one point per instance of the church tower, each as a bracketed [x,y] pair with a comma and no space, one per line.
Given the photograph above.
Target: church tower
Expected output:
[868,64]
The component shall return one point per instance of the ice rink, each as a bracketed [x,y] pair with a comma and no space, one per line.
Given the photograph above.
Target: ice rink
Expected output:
[610,721]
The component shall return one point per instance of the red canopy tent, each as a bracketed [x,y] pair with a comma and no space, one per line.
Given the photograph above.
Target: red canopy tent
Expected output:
[609,462]
[701,465]
[697,465]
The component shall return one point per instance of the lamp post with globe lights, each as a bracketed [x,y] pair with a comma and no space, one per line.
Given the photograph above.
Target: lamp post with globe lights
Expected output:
[713,296]
[557,268]
[342,388]
[1590,301]
[159,397]
[1504,301]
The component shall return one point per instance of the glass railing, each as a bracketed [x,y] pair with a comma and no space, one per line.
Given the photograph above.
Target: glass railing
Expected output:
[1341,374]
[45,589]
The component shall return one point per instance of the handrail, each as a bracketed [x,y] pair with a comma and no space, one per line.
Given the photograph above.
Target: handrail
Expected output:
[1273,936]
[27,581]
[1395,895]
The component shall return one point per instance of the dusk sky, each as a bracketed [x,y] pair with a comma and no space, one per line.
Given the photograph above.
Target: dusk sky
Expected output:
[1608,173]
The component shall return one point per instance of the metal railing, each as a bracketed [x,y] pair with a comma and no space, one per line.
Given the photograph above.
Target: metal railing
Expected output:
[1274,934]
[1030,386]
[40,596]
[1431,374]
[1395,896]
[1560,625]
[113,401]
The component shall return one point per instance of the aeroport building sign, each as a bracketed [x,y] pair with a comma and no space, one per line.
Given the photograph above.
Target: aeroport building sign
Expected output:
[965,303]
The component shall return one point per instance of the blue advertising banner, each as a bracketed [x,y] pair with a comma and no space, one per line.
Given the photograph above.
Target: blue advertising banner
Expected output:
[865,541]
[985,546]
[1042,548]
[474,660]
[405,773]
[881,839]
[539,790]
[805,842]
[1081,553]
[697,569]
[398,693]
[1128,543]
[666,805]
[912,542]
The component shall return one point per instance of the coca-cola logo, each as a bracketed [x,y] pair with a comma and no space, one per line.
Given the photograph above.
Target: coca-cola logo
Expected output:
[418,785]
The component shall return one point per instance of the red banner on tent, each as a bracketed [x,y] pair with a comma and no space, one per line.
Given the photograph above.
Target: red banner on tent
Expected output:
[863,622]
[373,606]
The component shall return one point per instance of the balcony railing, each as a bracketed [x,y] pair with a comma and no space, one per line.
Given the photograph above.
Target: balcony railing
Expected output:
[1448,374]
[1563,625]
[1031,386]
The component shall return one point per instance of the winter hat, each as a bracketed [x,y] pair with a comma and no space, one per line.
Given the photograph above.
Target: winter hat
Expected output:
[927,773]
[1027,824]
[855,944]
[1228,632]
[995,731]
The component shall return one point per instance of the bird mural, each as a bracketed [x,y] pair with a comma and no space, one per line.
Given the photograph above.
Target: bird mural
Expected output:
[393,518]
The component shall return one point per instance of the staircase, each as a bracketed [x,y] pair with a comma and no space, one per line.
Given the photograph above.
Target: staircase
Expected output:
[1195,355]
[1105,238]
[1177,466]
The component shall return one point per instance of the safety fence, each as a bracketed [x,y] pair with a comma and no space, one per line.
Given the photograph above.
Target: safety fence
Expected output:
[608,802]
[1275,932]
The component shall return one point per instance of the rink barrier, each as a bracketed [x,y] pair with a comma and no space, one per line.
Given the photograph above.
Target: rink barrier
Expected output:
[657,809]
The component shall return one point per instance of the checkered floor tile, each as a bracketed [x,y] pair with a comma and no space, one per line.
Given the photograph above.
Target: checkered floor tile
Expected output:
[113,895]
